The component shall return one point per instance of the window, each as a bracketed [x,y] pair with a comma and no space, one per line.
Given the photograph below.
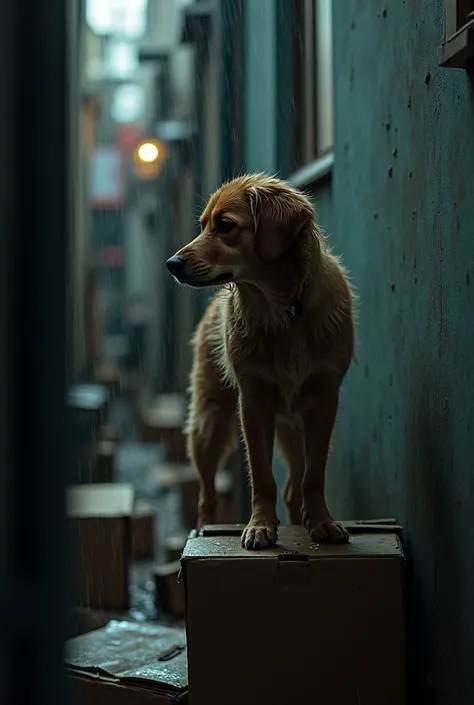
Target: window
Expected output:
[324,76]
[312,84]
[457,50]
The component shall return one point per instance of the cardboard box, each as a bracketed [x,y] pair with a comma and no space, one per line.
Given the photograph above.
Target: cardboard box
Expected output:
[300,623]
[128,663]
[169,589]
[100,518]
[143,530]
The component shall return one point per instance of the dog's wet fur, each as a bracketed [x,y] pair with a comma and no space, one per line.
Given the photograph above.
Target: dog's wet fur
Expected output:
[255,361]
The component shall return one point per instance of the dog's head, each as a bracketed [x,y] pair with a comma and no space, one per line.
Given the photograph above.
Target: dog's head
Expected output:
[248,224]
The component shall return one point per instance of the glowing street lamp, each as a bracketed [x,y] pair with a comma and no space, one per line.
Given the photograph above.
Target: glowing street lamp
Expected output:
[148,152]
[149,157]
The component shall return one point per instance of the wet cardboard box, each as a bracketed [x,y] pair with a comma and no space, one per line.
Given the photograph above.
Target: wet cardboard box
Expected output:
[143,530]
[100,517]
[169,589]
[299,623]
[128,663]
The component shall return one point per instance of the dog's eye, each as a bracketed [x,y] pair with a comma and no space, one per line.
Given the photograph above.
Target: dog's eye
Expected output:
[224,226]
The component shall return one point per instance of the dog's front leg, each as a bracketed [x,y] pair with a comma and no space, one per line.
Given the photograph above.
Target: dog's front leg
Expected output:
[257,416]
[318,423]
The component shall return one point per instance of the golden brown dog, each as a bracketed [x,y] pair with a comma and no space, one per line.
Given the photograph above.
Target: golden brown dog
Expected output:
[275,343]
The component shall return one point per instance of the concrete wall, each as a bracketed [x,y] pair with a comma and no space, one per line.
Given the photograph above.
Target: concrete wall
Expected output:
[403,198]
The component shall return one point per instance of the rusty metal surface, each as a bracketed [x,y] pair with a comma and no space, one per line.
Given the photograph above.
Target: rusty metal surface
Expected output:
[403,199]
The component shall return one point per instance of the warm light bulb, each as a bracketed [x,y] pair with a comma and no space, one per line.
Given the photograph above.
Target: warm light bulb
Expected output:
[148,152]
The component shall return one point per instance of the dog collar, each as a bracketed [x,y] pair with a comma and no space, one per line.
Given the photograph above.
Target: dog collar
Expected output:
[295,310]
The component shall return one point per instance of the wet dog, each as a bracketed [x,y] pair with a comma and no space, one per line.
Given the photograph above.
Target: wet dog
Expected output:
[272,349]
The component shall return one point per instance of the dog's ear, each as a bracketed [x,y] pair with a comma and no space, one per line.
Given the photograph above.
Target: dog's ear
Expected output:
[278,217]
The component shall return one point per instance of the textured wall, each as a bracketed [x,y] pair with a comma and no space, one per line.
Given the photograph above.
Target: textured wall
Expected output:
[403,196]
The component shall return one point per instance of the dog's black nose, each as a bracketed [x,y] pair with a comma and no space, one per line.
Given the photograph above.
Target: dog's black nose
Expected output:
[176,265]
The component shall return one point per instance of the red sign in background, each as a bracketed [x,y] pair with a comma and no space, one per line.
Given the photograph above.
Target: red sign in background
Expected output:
[127,137]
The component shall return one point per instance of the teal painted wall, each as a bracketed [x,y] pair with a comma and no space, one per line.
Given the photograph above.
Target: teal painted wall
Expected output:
[323,206]
[403,217]
[260,42]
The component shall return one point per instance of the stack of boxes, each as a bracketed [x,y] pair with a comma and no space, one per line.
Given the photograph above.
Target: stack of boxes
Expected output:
[97,442]
[298,623]
[100,517]
[110,527]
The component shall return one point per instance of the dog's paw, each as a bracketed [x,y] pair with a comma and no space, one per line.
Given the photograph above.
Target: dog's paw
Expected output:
[325,530]
[259,533]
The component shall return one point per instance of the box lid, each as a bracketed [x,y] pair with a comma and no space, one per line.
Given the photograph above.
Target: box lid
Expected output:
[146,655]
[100,500]
[367,539]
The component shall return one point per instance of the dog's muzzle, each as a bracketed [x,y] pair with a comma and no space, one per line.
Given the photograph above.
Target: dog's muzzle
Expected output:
[179,268]
[176,265]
